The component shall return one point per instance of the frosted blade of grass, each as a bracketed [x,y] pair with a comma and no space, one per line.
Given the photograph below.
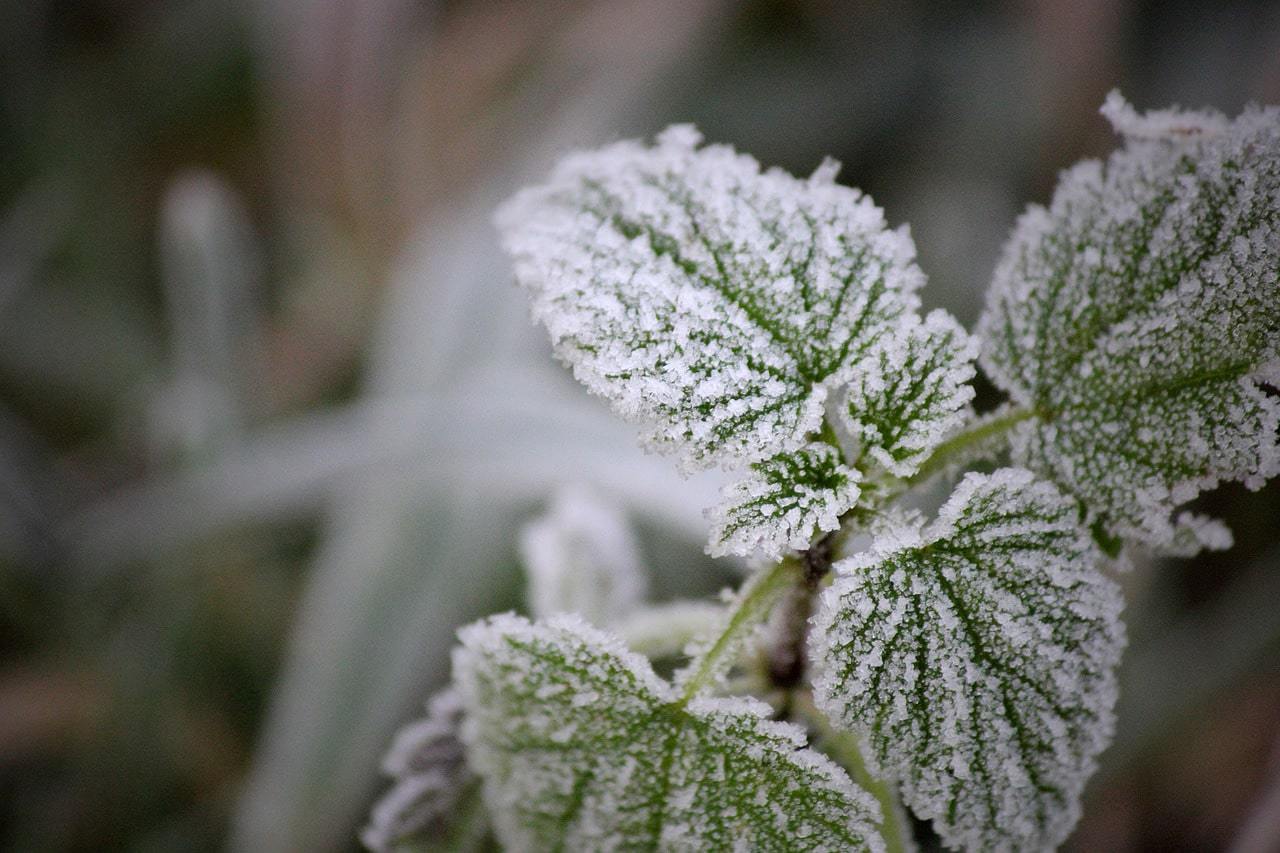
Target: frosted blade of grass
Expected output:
[715,303]
[977,659]
[582,747]
[1136,317]
[210,266]
[537,434]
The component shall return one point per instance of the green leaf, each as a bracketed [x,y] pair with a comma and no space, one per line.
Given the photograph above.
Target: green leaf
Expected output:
[977,658]
[713,302]
[784,501]
[1137,319]
[910,392]
[582,747]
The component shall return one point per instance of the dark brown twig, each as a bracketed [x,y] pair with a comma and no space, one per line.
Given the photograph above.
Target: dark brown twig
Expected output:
[786,655]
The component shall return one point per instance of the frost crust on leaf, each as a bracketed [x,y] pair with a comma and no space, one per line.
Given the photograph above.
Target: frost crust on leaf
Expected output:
[426,760]
[782,503]
[910,391]
[582,747]
[716,303]
[976,657]
[581,557]
[1137,316]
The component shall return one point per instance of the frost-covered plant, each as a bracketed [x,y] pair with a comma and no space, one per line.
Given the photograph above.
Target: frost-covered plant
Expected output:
[963,667]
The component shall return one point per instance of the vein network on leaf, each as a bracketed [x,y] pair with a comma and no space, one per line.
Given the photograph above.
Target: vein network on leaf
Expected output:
[713,302]
[910,391]
[783,503]
[582,746]
[1136,317]
[977,656]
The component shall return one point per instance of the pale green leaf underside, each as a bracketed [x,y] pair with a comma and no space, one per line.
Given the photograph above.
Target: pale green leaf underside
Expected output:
[783,502]
[909,392]
[976,657]
[707,299]
[1137,317]
[582,747]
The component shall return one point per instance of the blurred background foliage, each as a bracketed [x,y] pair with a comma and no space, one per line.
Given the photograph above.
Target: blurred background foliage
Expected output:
[271,413]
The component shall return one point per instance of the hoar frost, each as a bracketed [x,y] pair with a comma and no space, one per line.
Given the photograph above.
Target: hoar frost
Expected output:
[707,299]
[977,658]
[752,320]
[1137,318]
[783,502]
[910,391]
[583,747]
[431,778]
[721,305]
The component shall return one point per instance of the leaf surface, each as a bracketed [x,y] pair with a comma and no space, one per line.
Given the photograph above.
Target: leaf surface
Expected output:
[976,657]
[909,392]
[432,781]
[1137,318]
[713,302]
[783,502]
[582,747]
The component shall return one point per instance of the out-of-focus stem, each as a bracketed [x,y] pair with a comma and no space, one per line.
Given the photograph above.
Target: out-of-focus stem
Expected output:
[754,603]
[964,440]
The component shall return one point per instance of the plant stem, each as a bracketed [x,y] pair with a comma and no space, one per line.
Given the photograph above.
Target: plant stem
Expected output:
[962,441]
[755,600]
[843,747]
[786,656]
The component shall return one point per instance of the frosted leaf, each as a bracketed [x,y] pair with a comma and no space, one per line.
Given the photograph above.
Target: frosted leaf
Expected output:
[977,658]
[582,747]
[1137,318]
[910,391]
[715,303]
[782,503]
[581,557]
[427,762]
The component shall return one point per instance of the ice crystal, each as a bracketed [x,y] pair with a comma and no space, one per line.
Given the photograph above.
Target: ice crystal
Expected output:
[1137,318]
[715,303]
[581,557]
[977,657]
[582,747]
[1193,533]
[910,391]
[783,502]
[431,777]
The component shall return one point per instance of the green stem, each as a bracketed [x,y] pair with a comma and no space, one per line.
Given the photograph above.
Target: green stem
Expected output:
[843,747]
[756,599]
[966,439]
